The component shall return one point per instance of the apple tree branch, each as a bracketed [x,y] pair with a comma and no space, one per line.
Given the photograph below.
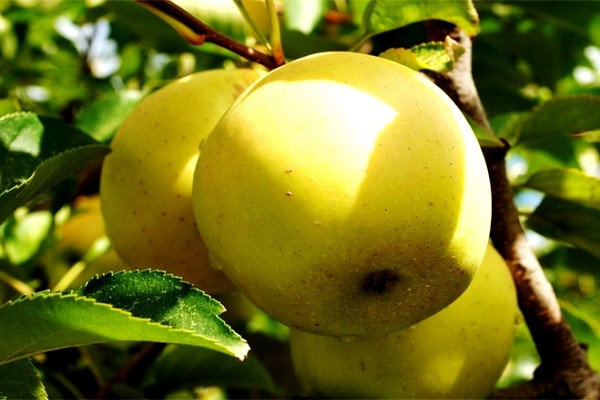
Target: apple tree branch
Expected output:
[564,370]
[197,32]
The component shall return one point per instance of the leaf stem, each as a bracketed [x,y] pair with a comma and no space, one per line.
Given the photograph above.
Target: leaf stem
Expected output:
[275,36]
[133,372]
[99,248]
[68,278]
[255,29]
[197,32]
[18,285]
[91,364]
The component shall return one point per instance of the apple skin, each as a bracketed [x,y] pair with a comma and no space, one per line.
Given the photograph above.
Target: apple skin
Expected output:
[344,194]
[458,353]
[146,181]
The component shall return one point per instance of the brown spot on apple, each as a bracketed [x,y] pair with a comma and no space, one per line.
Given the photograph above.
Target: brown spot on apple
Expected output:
[379,282]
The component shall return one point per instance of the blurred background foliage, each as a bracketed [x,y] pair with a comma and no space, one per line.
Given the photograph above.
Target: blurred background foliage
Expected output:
[89,62]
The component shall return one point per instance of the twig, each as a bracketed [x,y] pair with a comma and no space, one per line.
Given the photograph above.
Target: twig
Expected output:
[21,287]
[133,372]
[197,32]
[564,370]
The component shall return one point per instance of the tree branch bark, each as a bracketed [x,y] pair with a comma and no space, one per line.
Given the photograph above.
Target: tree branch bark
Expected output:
[197,32]
[564,371]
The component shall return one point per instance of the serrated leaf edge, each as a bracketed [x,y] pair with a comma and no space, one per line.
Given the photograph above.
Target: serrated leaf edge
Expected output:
[45,161]
[163,273]
[37,377]
[239,352]
[527,116]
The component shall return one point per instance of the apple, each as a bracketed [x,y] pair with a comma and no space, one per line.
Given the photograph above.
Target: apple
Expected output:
[146,181]
[344,194]
[458,353]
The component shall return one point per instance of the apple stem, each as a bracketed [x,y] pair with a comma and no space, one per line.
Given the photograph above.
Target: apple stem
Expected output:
[197,32]
[564,369]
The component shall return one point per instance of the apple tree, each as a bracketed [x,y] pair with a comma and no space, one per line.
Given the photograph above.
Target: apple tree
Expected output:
[81,317]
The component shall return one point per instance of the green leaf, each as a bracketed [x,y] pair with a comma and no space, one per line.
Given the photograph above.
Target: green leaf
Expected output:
[562,116]
[19,380]
[164,34]
[263,323]
[484,136]
[385,15]
[133,306]
[523,358]
[567,184]
[181,367]
[298,44]
[432,56]
[507,125]
[168,300]
[586,327]
[574,315]
[8,106]
[24,235]
[223,17]
[148,28]
[102,118]
[36,153]
[568,222]
[357,9]
[303,15]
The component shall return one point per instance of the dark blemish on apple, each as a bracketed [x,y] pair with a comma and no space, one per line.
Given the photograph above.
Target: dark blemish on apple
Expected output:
[379,282]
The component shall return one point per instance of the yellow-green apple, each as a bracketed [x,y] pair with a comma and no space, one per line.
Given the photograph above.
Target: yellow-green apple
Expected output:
[344,194]
[146,181]
[459,352]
